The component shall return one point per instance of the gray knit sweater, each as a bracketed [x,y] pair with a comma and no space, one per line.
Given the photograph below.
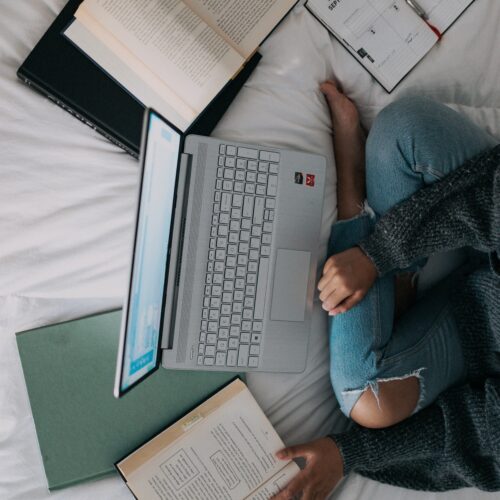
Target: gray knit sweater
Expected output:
[455,442]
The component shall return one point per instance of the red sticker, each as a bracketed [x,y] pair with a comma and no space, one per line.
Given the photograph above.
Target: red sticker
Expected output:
[310,180]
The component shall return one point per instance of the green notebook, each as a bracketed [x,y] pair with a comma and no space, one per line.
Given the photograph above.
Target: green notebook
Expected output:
[82,429]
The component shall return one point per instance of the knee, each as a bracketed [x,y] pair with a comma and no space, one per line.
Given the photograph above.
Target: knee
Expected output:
[399,122]
[397,133]
[396,401]
[403,117]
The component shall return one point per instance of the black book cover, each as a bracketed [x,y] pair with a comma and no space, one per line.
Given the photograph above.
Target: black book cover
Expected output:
[59,70]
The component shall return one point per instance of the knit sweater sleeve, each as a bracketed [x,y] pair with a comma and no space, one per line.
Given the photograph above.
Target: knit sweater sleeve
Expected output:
[463,209]
[453,443]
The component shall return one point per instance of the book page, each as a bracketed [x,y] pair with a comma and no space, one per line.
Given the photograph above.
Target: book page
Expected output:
[243,24]
[172,41]
[443,13]
[223,450]
[276,483]
[132,76]
[386,36]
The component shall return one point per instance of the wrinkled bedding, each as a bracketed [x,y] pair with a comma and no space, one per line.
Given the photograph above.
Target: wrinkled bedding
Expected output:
[67,202]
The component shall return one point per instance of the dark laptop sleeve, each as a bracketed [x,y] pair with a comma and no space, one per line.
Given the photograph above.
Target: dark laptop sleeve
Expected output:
[57,69]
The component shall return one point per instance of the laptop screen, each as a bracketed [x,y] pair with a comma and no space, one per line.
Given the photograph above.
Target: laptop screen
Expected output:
[142,326]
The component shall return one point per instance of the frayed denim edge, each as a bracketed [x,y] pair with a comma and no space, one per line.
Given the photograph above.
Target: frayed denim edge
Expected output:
[374,386]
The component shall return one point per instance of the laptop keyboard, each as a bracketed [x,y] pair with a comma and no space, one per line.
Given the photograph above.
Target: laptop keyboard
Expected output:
[238,257]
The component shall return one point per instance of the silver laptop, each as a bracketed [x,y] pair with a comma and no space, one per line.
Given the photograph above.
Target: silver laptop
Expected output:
[224,257]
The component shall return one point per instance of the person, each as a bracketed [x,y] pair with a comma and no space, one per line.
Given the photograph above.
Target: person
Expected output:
[423,391]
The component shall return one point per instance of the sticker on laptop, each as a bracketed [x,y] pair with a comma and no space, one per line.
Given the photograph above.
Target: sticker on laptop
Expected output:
[310,180]
[299,178]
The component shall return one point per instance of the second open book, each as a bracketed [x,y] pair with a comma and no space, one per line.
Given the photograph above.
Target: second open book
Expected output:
[387,37]
[174,55]
[222,450]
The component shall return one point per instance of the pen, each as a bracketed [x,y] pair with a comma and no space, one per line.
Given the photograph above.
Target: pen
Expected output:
[421,13]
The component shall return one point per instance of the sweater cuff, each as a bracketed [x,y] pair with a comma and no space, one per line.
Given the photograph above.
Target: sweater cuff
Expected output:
[378,253]
[354,454]
[373,449]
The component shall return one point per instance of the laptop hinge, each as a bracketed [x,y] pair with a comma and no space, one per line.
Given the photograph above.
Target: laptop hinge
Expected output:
[175,264]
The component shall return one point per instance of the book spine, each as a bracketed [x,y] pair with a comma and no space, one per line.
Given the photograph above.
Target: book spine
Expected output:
[77,115]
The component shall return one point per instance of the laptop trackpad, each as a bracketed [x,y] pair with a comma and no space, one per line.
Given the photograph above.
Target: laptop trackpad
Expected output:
[290,285]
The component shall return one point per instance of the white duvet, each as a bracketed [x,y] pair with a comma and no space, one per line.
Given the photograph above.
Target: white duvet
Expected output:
[67,198]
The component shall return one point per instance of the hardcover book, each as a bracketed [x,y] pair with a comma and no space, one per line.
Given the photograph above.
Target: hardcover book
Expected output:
[82,429]
[224,448]
[174,55]
[66,75]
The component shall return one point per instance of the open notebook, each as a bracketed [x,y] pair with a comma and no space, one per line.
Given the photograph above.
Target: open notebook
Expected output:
[388,37]
[174,55]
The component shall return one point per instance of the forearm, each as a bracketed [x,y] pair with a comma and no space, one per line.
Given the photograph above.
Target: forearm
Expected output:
[461,210]
[453,443]
[376,449]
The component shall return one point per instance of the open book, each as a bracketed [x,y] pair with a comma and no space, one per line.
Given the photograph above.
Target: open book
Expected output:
[174,55]
[222,450]
[388,37]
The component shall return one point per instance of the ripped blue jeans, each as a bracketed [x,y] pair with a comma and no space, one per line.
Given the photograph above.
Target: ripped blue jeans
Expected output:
[413,142]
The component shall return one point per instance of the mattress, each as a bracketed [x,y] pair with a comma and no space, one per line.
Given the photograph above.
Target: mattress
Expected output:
[67,203]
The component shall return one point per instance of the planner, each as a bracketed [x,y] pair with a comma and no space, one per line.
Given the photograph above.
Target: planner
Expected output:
[388,37]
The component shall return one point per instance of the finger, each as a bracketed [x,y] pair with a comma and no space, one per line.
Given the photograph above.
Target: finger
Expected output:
[329,264]
[327,277]
[335,299]
[278,496]
[335,282]
[300,450]
[294,487]
[347,304]
[309,494]
[290,490]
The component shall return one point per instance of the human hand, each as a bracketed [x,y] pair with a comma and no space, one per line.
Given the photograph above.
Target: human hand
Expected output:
[324,469]
[347,277]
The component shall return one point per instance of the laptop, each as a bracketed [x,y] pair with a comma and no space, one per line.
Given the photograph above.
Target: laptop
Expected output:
[224,258]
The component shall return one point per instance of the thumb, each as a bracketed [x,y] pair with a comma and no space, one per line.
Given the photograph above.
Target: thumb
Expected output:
[293,452]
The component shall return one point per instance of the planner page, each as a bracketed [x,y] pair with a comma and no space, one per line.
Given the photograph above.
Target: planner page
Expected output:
[386,36]
[443,13]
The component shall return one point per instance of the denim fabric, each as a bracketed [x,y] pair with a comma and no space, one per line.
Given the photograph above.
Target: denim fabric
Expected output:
[413,142]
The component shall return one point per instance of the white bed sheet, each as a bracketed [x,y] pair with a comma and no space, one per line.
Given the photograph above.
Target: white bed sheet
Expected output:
[67,197]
